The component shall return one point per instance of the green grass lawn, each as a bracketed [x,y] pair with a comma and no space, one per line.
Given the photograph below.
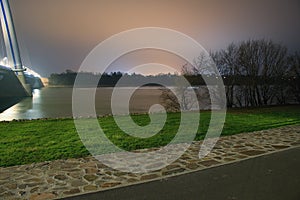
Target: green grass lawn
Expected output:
[24,142]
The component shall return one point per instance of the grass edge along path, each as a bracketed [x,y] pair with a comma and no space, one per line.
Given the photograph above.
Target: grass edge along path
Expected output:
[32,141]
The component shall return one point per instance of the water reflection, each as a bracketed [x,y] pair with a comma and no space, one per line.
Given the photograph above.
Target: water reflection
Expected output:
[45,103]
[24,108]
[57,103]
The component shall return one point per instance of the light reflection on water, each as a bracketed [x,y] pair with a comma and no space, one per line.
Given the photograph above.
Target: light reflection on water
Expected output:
[57,103]
[26,109]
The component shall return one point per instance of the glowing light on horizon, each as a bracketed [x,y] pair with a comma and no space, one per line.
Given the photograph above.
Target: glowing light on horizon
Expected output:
[153,69]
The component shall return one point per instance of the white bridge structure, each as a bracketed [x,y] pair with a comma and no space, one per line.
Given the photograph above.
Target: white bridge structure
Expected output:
[11,54]
[4,62]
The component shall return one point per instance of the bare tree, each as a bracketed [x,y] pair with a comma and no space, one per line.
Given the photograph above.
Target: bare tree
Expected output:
[169,100]
[261,62]
[205,65]
[182,97]
[254,72]
[294,75]
[227,64]
[190,98]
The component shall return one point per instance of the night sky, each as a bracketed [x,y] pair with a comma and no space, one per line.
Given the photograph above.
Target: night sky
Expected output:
[55,35]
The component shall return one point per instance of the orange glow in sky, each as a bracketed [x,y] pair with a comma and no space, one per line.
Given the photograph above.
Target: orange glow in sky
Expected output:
[56,35]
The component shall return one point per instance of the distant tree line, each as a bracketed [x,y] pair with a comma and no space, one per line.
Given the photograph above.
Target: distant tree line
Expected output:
[110,79]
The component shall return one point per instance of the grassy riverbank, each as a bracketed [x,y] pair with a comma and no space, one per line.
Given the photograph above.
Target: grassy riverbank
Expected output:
[23,142]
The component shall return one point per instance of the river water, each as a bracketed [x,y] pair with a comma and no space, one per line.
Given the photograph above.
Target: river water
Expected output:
[52,102]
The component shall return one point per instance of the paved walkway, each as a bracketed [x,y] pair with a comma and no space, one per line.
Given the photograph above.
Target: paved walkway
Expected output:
[273,176]
[63,178]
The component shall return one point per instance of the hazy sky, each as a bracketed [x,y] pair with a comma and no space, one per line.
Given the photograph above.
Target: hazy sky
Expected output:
[55,35]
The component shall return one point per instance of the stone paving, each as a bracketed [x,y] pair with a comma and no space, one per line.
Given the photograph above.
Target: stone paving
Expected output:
[62,178]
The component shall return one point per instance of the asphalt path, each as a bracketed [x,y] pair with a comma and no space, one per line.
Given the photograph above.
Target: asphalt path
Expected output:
[275,176]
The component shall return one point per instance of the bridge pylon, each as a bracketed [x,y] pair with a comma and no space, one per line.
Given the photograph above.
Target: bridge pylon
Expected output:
[11,44]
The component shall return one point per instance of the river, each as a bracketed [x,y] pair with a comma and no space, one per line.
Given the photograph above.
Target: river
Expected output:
[51,102]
